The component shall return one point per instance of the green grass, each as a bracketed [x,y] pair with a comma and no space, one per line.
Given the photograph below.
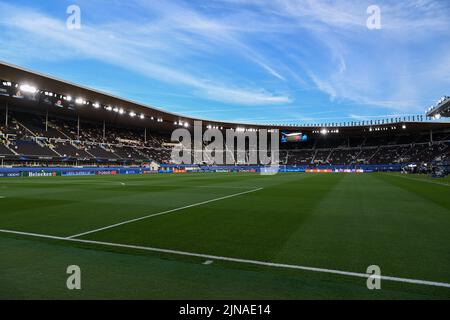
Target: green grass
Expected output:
[335,221]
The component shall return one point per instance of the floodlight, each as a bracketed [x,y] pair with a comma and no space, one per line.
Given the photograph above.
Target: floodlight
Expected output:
[27,88]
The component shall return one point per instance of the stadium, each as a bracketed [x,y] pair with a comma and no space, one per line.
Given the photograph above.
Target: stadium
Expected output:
[89,179]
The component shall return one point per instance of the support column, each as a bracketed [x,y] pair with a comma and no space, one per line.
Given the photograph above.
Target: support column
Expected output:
[78,128]
[145,135]
[6,117]
[104,130]
[46,121]
[431,135]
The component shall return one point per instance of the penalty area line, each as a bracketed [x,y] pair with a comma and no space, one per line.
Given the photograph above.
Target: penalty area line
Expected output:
[235,260]
[163,212]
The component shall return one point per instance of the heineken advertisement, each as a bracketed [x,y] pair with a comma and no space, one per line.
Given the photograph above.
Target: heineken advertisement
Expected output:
[41,174]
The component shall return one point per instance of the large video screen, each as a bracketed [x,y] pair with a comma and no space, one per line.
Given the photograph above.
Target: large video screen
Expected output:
[293,137]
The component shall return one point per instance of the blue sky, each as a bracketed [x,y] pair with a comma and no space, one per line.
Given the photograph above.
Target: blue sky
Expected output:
[277,61]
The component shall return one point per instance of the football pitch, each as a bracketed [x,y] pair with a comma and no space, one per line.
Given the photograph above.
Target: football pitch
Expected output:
[225,236]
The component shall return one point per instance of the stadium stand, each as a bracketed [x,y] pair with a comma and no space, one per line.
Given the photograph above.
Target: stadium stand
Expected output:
[39,126]
[29,135]
[4,151]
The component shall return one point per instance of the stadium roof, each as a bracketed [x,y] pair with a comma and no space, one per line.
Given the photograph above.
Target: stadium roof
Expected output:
[442,109]
[128,112]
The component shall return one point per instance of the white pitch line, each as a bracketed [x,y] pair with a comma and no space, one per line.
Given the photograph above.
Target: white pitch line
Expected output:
[421,180]
[236,260]
[195,186]
[163,212]
[221,187]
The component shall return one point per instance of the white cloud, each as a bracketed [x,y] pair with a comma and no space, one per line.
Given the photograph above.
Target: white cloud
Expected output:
[262,53]
[127,49]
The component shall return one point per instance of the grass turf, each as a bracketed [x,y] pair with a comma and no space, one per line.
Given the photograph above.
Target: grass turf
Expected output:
[335,221]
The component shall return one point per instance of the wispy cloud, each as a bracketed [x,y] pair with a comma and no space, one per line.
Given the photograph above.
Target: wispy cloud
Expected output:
[263,54]
[125,45]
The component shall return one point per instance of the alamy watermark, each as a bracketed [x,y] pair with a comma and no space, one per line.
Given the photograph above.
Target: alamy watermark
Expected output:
[73,21]
[74,280]
[238,147]
[374,20]
[374,279]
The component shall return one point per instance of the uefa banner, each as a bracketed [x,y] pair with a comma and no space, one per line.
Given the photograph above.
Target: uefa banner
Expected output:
[130,171]
[78,173]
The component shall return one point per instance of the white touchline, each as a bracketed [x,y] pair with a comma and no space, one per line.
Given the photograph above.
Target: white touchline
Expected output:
[163,212]
[237,260]
[422,180]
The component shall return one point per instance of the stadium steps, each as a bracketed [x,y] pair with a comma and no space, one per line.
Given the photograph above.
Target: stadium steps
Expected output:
[109,150]
[7,146]
[73,144]
[118,157]
[24,127]
[373,155]
[357,155]
[327,159]
[5,150]
[314,156]
[61,132]
[93,157]
[53,149]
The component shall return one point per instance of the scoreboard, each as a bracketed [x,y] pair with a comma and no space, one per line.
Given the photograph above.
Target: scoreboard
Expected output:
[293,137]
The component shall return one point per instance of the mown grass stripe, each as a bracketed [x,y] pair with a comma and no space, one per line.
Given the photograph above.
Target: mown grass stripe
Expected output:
[236,260]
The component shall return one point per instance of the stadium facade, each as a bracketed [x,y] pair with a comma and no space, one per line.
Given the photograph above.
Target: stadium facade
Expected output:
[46,122]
